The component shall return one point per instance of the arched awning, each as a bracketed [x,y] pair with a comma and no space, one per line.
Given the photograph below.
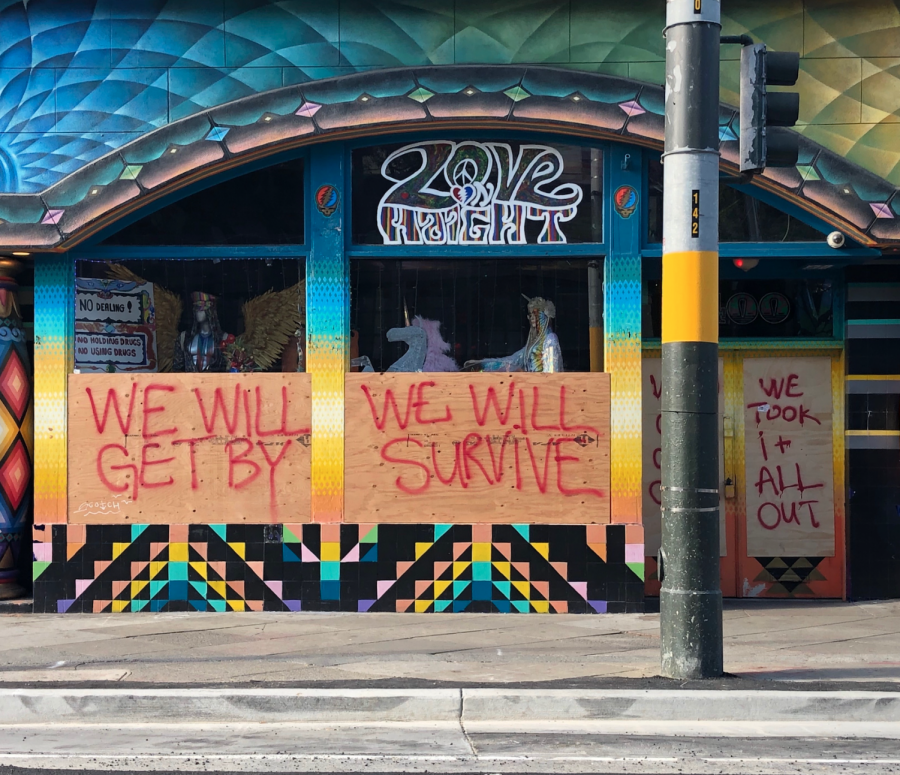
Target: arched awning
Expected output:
[535,98]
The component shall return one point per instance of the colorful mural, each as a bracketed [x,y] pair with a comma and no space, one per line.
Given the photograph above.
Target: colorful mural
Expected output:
[861,203]
[85,78]
[105,107]
[328,339]
[54,308]
[622,359]
[16,438]
[415,568]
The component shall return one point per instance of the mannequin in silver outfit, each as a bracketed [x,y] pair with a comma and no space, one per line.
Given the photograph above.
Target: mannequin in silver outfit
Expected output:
[541,352]
[200,349]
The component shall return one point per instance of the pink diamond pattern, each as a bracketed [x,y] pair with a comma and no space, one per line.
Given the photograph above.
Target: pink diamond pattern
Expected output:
[881,210]
[308,109]
[52,217]
[632,108]
[15,473]
[14,385]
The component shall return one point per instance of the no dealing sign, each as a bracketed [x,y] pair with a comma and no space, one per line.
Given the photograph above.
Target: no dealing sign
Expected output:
[96,306]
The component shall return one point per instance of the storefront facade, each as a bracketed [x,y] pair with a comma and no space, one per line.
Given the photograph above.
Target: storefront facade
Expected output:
[201,444]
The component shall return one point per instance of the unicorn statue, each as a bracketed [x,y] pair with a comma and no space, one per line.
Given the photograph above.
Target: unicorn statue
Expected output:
[427,348]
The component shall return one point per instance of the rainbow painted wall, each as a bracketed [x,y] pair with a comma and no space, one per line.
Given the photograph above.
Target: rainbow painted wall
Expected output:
[54,305]
[98,95]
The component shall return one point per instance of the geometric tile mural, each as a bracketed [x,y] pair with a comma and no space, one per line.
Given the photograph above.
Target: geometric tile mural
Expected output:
[84,79]
[84,76]
[789,576]
[778,577]
[337,567]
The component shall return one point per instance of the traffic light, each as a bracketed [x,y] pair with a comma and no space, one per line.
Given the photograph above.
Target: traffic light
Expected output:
[764,143]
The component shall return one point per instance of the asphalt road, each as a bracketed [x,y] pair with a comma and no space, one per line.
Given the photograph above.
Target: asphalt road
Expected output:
[432,748]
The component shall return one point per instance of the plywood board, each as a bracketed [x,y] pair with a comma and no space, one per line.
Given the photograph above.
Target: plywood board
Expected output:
[511,448]
[651,443]
[789,457]
[182,448]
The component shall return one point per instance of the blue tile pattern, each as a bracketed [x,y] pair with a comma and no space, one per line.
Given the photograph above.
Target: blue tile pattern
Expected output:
[90,85]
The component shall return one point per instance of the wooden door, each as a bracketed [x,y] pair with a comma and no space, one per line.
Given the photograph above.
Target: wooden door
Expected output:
[785,455]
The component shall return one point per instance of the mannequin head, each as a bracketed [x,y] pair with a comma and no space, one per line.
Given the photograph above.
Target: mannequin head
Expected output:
[540,312]
[205,318]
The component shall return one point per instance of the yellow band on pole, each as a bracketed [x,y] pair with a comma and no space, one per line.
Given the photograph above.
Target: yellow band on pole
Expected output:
[690,297]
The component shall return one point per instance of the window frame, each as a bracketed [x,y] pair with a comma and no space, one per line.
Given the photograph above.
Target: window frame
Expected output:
[93,249]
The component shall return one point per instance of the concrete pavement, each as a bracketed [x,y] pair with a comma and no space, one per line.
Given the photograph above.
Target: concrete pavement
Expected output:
[777,641]
[817,690]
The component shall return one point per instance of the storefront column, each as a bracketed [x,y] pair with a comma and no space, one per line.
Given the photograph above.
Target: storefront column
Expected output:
[622,355]
[54,310]
[327,323]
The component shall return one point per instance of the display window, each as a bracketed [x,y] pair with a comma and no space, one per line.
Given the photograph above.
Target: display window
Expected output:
[190,316]
[186,397]
[478,315]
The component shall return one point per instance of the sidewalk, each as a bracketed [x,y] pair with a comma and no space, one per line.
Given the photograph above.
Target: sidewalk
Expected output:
[781,641]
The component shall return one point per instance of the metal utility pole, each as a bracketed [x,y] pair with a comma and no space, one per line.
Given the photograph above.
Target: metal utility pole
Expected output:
[690,599]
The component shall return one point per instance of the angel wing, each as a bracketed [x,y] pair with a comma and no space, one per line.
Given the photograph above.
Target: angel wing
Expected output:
[168,315]
[270,320]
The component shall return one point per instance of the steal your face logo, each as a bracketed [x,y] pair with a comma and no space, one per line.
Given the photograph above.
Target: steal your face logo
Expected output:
[474,193]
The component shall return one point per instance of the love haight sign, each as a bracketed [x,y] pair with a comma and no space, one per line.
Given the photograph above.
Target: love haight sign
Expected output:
[511,448]
[181,448]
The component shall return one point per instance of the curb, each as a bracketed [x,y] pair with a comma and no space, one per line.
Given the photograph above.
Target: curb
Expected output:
[123,706]
[679,705]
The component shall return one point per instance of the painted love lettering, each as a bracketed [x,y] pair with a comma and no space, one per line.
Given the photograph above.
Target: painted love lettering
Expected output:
[473,193]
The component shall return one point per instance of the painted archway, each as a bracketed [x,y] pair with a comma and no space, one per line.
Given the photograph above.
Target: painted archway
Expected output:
[589,105]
